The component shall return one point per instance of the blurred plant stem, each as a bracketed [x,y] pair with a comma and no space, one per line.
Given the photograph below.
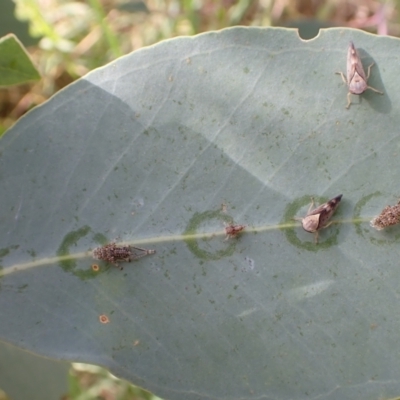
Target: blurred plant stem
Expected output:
[111,38]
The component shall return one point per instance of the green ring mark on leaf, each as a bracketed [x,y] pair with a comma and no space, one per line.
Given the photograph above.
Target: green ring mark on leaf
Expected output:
[69,265]
[291,211]
[5,252]
[193,243]
[100,239]
[357,210]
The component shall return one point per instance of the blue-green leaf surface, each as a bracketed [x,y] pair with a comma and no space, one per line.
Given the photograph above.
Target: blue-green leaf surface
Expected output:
[160,149]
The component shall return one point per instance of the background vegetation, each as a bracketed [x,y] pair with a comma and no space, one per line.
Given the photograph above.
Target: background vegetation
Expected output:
[66,39]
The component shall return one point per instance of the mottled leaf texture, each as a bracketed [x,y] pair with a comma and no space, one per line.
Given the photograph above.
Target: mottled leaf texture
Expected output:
[164,148]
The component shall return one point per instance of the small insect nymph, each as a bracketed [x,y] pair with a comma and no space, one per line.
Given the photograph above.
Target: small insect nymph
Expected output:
[357,81]
[114,253]
[233,230]
[318,218]
[389,216]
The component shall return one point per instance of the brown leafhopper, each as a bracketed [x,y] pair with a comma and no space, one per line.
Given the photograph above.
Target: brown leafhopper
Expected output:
[318,218]
[356,81]
[114,253]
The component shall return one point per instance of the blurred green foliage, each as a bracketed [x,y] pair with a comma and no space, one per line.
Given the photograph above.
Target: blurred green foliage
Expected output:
[75,36]
[10,24]
[15,65]
[78,36]
[89,382]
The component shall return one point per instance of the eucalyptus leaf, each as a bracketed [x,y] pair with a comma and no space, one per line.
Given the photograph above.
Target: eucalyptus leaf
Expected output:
[164,147]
